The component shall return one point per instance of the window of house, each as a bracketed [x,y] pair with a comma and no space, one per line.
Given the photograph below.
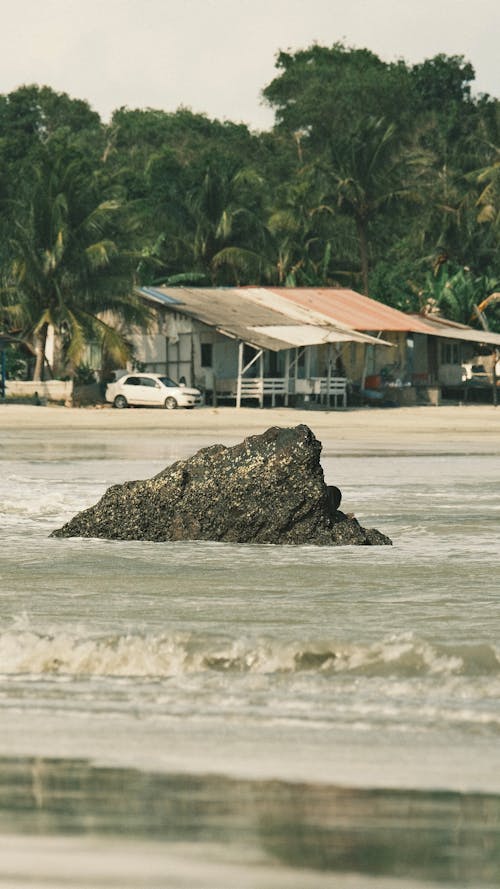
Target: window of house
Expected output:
[206,355]
[450,353]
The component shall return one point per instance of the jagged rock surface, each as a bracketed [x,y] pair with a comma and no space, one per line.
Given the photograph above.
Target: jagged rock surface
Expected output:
[268,489]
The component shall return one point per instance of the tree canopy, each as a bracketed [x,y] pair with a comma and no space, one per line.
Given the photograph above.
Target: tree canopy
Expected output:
[380,176]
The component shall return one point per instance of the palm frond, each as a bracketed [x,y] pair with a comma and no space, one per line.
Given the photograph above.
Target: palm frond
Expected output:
[100,254]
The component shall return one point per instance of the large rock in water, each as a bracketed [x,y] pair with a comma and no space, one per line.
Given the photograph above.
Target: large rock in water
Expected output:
[268,489]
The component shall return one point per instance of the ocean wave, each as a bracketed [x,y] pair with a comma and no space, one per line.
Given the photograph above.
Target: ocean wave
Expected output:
[24,651]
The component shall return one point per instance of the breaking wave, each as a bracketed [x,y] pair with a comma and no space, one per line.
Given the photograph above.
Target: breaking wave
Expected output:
[24,651]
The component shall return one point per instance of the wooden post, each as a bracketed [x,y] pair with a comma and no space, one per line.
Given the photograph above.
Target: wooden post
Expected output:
[287,376]
[261,374]
[3,373]
[365,366]
[240,370]
[328,378]
[495,390]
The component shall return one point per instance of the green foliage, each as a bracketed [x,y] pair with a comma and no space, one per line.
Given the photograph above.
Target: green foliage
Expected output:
[381,176]
[441,81]
[83,375]
[66,261]
[456,293]
[323,91]
[397,144]
[488,202]
[16,364]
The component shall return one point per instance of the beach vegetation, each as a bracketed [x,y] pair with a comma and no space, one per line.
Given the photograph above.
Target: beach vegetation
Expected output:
[381,176]
[69,259]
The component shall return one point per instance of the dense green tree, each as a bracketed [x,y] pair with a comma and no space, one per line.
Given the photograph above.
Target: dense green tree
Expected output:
[370,175]
[382,176]
[488,202]
[323,92]
[385,133]
[66,263]
[30,115]
[348,112]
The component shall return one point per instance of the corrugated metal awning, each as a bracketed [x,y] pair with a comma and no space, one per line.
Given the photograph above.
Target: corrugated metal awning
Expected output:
[467,334]
[307,335]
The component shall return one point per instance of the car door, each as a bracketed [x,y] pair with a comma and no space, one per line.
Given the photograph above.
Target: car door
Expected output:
[129,387]
[150,391]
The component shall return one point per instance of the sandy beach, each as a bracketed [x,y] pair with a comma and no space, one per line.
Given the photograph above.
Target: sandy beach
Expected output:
[467,429]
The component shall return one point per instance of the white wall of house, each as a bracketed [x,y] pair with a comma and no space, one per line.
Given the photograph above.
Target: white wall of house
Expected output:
[150,348]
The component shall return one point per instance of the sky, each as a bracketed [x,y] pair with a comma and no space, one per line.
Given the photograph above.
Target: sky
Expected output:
[215,56]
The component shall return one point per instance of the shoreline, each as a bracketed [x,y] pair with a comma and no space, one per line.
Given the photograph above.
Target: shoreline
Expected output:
[465,429]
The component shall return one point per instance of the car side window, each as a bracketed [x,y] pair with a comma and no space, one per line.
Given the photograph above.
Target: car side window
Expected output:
[146,381]
[131,381]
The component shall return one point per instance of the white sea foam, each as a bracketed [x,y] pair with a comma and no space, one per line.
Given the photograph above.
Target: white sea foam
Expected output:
[25,651]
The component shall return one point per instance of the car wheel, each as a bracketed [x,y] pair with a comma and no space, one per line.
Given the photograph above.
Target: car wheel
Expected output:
[120,401]
[170,403]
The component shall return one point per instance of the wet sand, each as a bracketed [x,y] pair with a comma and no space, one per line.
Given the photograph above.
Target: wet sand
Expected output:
[266,833]
[467,429]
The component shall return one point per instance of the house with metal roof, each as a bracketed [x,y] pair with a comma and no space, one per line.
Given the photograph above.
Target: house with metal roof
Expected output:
[403,368]
[241,343]
[428,353]
[298,344]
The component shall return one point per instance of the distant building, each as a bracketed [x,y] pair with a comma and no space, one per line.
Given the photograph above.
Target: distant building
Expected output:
[247,343]
[295,345]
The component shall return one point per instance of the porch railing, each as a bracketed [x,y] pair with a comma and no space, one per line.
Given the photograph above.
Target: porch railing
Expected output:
[253,388]
[258,387]
[336,388]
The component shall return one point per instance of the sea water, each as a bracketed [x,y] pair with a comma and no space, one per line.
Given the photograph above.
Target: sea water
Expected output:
[210,716]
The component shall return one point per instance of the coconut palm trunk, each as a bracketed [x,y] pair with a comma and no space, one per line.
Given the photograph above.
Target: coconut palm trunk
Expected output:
[361,228]
[40,347]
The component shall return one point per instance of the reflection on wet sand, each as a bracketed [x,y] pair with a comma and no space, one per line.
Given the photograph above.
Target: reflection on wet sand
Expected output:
[440,836]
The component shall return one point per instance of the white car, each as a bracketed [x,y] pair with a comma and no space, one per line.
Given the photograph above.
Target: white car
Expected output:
[145,390]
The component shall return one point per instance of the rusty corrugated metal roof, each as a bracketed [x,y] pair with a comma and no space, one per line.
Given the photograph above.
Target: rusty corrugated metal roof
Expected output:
[271,299]
[278,317]
[241,313]
[348,307]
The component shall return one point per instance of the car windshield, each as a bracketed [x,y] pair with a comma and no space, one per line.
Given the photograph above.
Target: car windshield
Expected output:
[168,382]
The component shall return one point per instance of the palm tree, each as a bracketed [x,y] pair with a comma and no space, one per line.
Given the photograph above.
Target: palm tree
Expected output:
[208,221]
[67,267]
[489,199]
[225,209]
[457,293]
[368,171]
[302,226]
[446,229]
